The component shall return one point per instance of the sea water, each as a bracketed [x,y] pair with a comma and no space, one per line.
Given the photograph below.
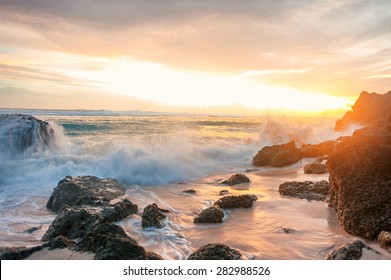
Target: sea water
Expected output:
[157,157]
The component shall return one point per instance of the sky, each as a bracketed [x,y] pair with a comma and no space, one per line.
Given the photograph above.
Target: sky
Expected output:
[231,56]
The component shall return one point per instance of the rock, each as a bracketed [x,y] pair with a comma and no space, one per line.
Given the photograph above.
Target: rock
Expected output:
[223,192]
[350,251]
[277,155]
[21,133]
[215,251]
[191,191]
[18,253]
[288,230]
[384,240]
[360,180]
[307,189]
[60,242]
[212,214]
[236,179]
[369,109]
[74,222]
[84,190]
[152,216]
[236,201]
[315,168]
[110,242]
[31,230]
[321,149]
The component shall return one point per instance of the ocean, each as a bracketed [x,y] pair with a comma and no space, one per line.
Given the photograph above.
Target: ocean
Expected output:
[158,156]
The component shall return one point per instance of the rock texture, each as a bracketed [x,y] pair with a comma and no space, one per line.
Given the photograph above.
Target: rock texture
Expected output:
[84,190]
[369,109]
[152,216]
[360,179]
[321,149]
[110,242]
[236,201]
[384,240]
[277,155]
[215,251]
[307,189]
[212,214]
[315,168]
[236,179]
[350,251]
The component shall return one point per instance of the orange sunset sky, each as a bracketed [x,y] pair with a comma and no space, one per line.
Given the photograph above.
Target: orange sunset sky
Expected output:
[218,56]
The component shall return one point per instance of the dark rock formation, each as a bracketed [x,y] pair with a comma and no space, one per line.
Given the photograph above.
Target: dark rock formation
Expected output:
[191,191]
[60,242]
[350,251]
[369,109]
[74,222]
[152,216]
[84,190]
[315,168]
[307,189]
[215,251]
[110,242]
[236,201]
[212,214]
[223,192]
[277,155]
[31,230]
[360,179]
[236,179]
[321,149]
[384,240]
[19,133]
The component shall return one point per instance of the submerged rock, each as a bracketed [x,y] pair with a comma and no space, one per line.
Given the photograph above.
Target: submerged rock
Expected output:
[223,192]
[212,214]
[369,109]
[191,191]
[307,189]
[236,179]
[215,251]
[110,242]
[350,251]
[315,168]
[152,216]
[74,222]
[360,179]
[236,201]
[321,149]
[32,229]
[84,190]
[277,155]
[384,240]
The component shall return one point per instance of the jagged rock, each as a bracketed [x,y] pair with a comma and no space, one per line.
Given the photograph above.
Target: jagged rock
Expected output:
[110,242]
[152,216]
[360,179]
[18,253]
[236,201]
[350,251]
[191,191]
[84,190]
[369,109]
[215,251]
[74,222]
[277,155]
[307,189]
[236,179]
[60,242]
[321,149]
[315,168]
[384,240]
[212,214]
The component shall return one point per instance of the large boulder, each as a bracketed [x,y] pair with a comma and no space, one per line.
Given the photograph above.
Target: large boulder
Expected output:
[215,251]
[307,189]
[110,242]
[84,190]
[236,179]
[212,214]
[152,216]
[360,179]
[74,222]
[315,168]
[369,109]
[350,251]
[236,201]
[317,150]
[277,155]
